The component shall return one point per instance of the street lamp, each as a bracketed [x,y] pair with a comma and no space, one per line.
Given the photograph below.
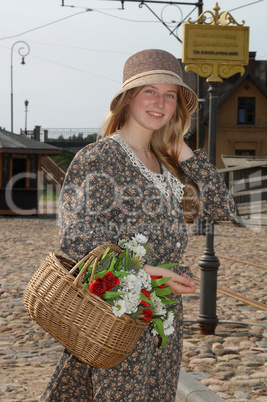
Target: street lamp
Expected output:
[23,51]
[26,111]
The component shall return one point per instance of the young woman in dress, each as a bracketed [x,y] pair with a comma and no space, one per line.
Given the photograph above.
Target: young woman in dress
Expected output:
[140,178]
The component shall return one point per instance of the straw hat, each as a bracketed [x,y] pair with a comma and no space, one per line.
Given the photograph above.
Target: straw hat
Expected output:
[154,66]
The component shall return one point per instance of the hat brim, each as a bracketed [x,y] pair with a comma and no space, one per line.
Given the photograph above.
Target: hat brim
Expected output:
[190,96]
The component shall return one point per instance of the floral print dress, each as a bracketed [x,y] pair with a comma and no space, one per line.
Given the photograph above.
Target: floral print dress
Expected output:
[109,194]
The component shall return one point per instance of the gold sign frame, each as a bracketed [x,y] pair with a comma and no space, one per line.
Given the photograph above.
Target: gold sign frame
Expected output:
[214,49]
[216,44]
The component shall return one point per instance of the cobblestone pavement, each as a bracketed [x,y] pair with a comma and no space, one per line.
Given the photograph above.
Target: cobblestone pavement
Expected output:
[232,362]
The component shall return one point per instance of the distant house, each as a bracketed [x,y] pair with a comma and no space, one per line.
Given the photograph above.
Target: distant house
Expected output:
[242,113]
[20,173]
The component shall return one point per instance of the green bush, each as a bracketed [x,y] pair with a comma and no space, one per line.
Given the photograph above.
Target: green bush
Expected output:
[63,160]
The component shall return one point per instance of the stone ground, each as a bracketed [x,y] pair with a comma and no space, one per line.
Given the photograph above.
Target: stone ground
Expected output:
[232,362]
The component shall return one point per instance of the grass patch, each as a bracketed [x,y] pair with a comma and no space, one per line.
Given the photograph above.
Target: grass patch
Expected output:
[63,160]
[49,195]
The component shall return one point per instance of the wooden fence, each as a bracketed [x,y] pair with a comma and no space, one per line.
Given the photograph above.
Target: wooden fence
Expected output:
[248,184]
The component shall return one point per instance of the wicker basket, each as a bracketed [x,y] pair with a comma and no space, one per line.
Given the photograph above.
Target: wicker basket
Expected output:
[80,321]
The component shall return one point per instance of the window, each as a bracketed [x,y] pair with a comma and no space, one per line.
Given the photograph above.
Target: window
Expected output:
[246,111]
[19,173]
[245,152]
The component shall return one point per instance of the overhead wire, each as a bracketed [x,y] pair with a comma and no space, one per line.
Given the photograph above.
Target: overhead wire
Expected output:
[245,5]
[70,67]
[71,16]
[45,25]
[77,69]
[85,10]
[79,48]
[123,19]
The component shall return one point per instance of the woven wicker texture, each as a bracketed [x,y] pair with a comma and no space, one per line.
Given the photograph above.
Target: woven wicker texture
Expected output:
[80,321]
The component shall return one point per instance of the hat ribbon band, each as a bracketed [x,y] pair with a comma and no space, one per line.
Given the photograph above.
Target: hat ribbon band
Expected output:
[144,74]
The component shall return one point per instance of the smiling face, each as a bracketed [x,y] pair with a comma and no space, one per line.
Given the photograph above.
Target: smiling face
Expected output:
[153,106]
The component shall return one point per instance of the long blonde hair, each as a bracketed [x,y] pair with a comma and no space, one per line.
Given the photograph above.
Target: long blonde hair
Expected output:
[162,140]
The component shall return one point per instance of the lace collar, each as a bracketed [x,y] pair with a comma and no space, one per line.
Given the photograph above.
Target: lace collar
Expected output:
[162,181]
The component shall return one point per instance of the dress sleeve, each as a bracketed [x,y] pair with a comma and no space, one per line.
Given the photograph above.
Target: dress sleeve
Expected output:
[216,201]
[86,201]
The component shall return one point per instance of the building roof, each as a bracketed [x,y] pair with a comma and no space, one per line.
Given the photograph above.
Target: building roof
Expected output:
[15,143]
[247,74]
[243,160]
[256,71]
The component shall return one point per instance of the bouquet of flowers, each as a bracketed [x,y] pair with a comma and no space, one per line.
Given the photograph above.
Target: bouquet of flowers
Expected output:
[120,279]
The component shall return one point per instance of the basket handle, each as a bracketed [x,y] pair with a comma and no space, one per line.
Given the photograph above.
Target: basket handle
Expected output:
[96,255]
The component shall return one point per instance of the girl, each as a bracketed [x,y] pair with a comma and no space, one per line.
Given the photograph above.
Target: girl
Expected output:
[140,178]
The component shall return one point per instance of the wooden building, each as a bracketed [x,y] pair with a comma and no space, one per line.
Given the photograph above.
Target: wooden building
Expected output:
[20,173]
[242,113]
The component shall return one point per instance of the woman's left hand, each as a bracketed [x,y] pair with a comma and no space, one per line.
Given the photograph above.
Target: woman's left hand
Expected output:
[179,284]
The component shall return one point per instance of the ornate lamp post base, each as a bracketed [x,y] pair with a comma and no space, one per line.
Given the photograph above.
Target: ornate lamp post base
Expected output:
[209,265]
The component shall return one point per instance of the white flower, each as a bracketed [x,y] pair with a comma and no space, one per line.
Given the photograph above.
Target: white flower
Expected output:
[130,244]
[119,308]
[131,286]
[136,248]
[130,283]
[145,279]
[168,330]
[159,308]
[139,238]
[170,317]
[140,250]
[122,243]
[167,324]
[132,301]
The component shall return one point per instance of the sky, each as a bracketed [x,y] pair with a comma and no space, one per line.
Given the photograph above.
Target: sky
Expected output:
[76,54]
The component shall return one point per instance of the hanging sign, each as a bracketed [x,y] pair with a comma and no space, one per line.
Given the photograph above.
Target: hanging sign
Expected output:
[215,44]
[214,49]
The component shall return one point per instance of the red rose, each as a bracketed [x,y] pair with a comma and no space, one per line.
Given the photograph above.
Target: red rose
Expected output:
[97,287]
[147,294]
[158,277]
[110,280]
[146,315]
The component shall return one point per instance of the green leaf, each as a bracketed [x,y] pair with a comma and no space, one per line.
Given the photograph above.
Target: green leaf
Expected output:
[80,266]
[158,325]
[170,265]
[121,274]
[164,340]
[112,263]
[165,300]
[159,282]
[100,274]
[144,298]
[163,291]
[119,263]
[111,295]
[105,253]
[127,259]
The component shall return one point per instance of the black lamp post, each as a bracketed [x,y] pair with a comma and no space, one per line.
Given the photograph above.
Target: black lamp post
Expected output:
[209,262]
[26,111]
[24,50]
